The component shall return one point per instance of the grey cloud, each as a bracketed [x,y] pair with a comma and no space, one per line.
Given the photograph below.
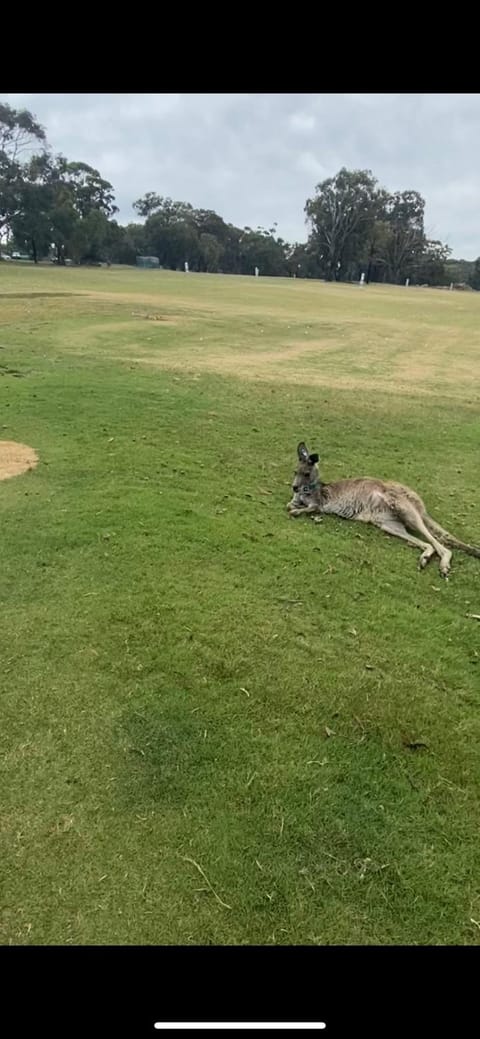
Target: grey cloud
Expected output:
[255,158]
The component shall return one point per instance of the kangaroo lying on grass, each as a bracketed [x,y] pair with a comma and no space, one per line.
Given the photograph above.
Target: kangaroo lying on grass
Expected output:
[388,505]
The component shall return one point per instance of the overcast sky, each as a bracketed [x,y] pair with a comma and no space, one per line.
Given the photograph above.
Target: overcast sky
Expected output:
[255,158]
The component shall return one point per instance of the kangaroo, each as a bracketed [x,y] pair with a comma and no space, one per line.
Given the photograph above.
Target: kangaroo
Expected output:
[388,505]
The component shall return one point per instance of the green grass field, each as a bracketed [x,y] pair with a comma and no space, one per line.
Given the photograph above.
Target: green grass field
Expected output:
[209,710]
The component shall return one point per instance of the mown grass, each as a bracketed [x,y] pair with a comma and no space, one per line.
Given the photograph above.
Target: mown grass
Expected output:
[188,676]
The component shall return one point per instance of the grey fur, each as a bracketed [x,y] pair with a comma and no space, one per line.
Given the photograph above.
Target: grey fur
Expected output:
[394,508]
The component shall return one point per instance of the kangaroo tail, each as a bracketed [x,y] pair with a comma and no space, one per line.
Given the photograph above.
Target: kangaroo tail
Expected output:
[450,539]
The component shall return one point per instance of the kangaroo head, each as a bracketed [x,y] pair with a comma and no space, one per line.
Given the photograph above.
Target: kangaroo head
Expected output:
[306,479]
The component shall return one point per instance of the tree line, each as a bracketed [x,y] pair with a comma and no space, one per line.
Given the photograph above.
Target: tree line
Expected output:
[51,207]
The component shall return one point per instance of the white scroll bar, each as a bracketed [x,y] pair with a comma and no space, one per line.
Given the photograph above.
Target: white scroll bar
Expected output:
[240,1025]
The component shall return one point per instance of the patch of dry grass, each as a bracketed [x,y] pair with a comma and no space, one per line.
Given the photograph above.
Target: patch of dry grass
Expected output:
[377,338]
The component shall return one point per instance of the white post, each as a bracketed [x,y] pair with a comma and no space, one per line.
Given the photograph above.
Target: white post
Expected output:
[362,279]
[257,272]
[407,282]
[451,285]
[186,267]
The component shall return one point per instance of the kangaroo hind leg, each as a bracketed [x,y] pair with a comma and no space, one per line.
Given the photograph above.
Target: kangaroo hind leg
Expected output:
[412,519]
[395,527]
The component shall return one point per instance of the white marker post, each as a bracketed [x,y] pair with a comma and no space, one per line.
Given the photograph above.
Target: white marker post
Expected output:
[407,282]
[257,272]
[186,267]
[362,279]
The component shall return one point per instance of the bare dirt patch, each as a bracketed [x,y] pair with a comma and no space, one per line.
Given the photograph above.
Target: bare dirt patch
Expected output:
[16,459]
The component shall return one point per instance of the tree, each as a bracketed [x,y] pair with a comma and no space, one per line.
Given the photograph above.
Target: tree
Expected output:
[341,215]
[458,271]
[174,242]
[474,279]
[169,211]
[431,268]
[210,251]
[261,249]
[89,191]
[374,261]
[129,244]
[211,228]
[67,203]
[404,214]
[94,238]
[170,230]
[148,204]
[31,225]
[208,222]
[31,218]
[231,259]
[43,177]
[19,132]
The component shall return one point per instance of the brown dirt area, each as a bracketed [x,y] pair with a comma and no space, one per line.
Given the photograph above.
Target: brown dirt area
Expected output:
[15,459]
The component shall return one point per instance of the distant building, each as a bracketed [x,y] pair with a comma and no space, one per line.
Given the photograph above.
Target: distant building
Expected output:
[148,261]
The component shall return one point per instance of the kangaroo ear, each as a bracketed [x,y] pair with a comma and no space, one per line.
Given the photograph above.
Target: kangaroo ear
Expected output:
[313,459]
[302,452]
